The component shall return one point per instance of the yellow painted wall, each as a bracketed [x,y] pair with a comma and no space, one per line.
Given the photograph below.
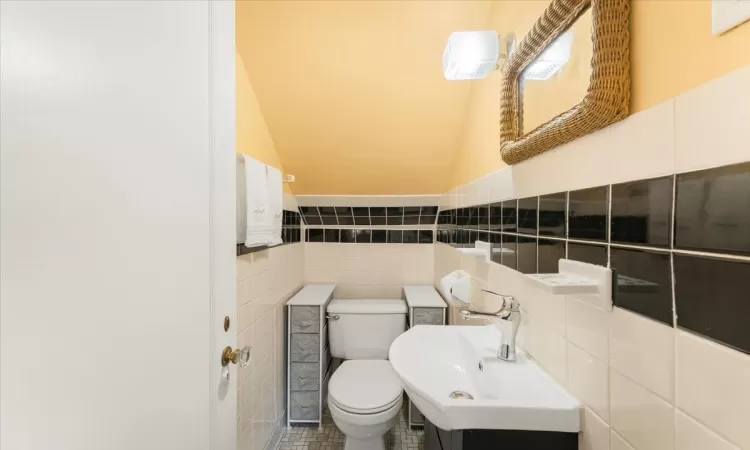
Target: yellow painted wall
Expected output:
[672,51]
[253,138]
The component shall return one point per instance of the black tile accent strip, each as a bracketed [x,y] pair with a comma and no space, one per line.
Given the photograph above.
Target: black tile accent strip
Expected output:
[509,255]
[552,216]
[527,215]
[527,258]
[483,219]
[712,210]
[367,235]
[550,254]
[361,211]
[411,220]
[393,211]
[410,236]
[587,214]
[496,216]
[315,235]
[329,220]
[395,220]
[681,240]
[363,236]
[643,282]
[372,215]
[331,235]
[426,237]
[510,216]
[642,211]
[347,236]
[713,298]
[592,254]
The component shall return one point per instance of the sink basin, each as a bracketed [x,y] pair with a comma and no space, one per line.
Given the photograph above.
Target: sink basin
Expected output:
[434,361]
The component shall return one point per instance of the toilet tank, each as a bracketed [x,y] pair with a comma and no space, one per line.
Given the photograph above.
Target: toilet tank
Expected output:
[364,329]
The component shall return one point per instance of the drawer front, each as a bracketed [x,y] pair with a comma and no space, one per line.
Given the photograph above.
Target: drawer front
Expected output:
[304,406]
[305,376]
[428,316]
[305,347]
[305,319]
[416,416]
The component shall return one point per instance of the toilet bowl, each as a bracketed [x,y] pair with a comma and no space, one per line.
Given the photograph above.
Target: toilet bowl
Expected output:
[365,398]
[364,393]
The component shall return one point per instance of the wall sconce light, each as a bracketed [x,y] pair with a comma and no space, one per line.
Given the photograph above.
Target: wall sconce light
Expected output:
[473,55]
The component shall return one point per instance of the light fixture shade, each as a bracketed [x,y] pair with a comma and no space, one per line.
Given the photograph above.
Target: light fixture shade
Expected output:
[470,55]
[552,59]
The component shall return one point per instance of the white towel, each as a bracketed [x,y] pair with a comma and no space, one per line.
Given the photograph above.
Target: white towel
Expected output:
[264,204]
[275,184]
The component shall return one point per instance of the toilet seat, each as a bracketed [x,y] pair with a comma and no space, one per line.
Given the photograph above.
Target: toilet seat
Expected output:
[365,387]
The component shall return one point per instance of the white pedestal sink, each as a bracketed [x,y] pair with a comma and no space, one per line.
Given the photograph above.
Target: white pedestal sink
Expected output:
[435,361]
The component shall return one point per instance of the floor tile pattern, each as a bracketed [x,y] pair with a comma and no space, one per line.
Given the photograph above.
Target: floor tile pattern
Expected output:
[301,437]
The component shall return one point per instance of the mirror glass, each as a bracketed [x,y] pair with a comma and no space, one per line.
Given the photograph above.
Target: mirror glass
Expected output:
[558,78]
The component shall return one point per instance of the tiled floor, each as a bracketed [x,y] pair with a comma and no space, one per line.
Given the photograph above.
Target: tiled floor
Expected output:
[400,437]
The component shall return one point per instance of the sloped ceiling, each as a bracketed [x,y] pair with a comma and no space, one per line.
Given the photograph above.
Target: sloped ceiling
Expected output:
[353,93]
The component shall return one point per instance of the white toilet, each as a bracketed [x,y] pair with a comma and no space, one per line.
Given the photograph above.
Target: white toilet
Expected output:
[364,393]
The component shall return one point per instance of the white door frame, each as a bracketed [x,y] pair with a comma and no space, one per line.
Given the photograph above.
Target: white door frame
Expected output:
[223,300]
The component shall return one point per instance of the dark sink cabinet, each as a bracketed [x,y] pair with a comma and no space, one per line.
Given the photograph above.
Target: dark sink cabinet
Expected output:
[438,439]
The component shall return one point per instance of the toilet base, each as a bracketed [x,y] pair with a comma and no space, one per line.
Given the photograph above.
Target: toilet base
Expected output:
[377,443]
[365,431]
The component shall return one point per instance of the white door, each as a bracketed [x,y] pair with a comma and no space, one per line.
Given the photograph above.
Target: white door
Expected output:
[116,259]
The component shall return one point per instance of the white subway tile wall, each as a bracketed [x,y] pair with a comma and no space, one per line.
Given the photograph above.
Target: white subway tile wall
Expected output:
[665,388]
[691,435]
[643,350]
[645,385]
[266,279]
[640,416]
[588,379]
[368,270]
[713,386]
[596,431]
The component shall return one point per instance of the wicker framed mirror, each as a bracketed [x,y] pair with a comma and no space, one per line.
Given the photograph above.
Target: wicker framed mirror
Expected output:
[606,98]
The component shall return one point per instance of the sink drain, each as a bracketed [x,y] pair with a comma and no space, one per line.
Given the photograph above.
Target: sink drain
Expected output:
[461,395]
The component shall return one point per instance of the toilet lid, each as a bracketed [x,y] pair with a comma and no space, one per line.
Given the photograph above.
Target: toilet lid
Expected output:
[365,386]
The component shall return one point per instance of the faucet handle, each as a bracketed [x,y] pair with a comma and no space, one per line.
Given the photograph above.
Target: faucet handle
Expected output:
[510,303]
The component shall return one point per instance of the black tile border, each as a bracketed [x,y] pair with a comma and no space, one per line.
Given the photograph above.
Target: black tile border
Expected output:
[456,228]
[367,235]
[364,216]
[721,225]
[714,299]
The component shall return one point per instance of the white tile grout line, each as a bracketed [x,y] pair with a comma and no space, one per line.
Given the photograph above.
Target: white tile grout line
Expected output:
[608,231]
[538,199]
[671,236]
[722,256]
[645,248]
[567,226]
[705,254]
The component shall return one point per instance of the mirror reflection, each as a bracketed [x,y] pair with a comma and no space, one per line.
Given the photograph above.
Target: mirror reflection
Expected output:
[557,80]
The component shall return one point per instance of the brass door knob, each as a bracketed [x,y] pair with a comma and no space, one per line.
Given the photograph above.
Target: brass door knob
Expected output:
[241,356]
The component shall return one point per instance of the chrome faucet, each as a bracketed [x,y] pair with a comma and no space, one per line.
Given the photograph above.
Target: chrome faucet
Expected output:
[510,312]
